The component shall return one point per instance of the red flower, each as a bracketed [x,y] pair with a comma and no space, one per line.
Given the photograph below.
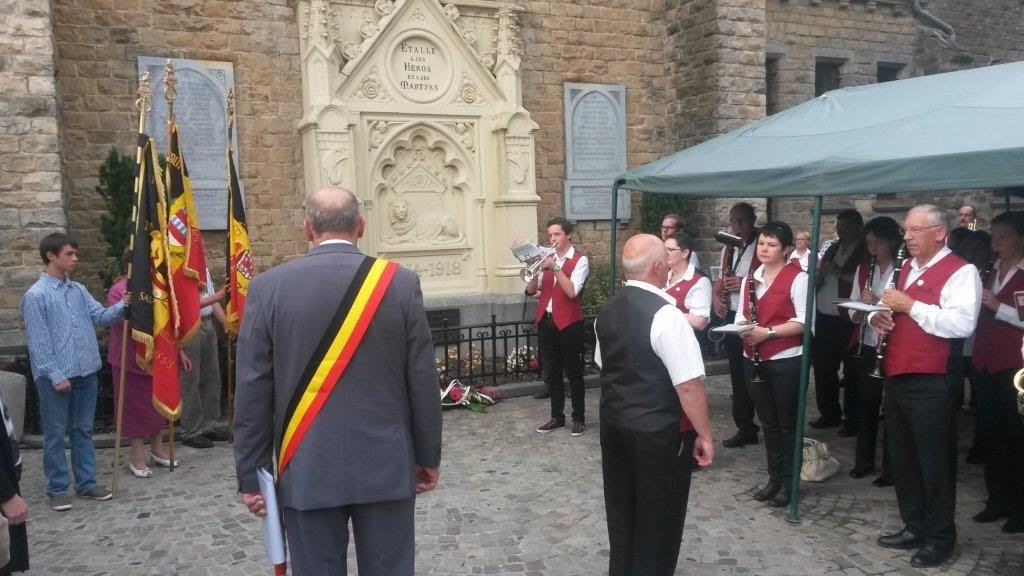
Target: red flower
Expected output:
[534,363]
[455,394]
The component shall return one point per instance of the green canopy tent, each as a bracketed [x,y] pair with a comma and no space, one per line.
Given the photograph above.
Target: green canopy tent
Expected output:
[942,132]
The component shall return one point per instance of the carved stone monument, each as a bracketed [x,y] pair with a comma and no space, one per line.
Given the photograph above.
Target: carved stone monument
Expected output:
[595,150]
[200,110]
[417,107]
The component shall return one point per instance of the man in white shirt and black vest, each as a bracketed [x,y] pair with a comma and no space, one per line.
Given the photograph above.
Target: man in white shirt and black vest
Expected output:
[651,390]
[559,287]
[937,298]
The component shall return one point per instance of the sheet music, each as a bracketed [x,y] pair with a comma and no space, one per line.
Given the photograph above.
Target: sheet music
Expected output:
[526,250]
[273,534]
[861,306]
[733,328]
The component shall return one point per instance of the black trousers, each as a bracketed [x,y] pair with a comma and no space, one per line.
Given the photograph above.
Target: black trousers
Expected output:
[561,351]
[742,404]
[775,401]
[646,490]
[831,341]
[869,401]
[920,421]
[1001,431]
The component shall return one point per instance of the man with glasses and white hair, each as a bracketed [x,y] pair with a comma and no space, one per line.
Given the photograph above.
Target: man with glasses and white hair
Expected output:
[938,298]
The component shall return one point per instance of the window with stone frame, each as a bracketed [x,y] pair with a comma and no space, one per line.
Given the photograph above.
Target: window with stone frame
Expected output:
[827,76]
[887,72]
[771,85]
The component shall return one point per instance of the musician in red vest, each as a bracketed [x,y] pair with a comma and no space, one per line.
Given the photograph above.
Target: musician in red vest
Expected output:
[997,357]
[780,292]
[558,287]
[936,298]
[688,285]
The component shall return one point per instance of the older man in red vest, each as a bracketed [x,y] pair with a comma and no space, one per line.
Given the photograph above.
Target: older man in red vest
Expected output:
[937,298]
[558,288]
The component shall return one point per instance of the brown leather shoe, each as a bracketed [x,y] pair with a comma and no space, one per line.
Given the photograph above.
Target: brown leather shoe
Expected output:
[550,425]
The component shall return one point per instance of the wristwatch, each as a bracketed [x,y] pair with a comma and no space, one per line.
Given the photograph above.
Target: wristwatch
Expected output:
[555,267]
[772,334]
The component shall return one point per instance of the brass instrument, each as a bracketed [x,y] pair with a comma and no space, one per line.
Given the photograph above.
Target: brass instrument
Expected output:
[727,267]
[894,282]
[529,273]
[756,377]
[973,225]
[1018,383]
[867,286]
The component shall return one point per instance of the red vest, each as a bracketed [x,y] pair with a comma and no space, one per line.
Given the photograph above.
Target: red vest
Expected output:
[680,289]
[564,310]
[911,350]
[775,307]
[996,343]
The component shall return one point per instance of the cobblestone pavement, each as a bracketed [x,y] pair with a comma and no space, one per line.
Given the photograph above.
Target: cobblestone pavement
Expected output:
[511,501]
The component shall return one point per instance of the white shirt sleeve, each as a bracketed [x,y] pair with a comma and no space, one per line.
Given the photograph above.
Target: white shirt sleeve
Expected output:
[741,314]
[956,316]
[579,274]
[798,293]
[597,347]
[698,299]
[673,341]
[1008,314]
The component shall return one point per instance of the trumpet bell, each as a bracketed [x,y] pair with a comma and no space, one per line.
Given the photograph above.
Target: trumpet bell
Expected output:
[526,274]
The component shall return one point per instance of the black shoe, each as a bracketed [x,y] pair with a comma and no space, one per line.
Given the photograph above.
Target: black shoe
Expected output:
[217,435]
[198,442]
[780,500]
[988,515]
[740,440]
[1013,526]
[543,395]
[770,489]
[858,472]
[825,423]
[930,555]
[902,540]
[975,457]
[883,481]
[846,431]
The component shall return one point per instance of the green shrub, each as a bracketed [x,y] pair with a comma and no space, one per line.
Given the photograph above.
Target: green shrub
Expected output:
[116,187]
[654,206]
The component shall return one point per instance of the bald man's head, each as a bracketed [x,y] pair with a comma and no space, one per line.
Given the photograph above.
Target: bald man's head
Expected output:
[641,257]
[332,211]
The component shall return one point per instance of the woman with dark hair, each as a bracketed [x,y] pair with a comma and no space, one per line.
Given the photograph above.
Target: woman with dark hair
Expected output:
[779,302]
[882,236]
[997,358]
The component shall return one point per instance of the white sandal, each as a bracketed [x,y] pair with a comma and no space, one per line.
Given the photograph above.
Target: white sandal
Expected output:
[143,473]
[165,462]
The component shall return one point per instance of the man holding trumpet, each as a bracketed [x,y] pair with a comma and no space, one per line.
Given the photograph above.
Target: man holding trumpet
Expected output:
[558,285]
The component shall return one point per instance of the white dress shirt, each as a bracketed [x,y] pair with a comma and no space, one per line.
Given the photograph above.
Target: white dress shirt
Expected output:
[740,266]
[878,284]
[1007,313]
[578,276]
[956,315]
[671,338]
[698,299]
[829,291]
[797,293]
[804,260]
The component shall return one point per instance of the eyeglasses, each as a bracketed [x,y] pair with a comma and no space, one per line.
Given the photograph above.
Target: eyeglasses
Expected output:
[669,227]
[918,229]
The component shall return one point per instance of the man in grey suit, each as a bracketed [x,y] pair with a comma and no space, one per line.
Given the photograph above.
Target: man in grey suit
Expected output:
[375,442]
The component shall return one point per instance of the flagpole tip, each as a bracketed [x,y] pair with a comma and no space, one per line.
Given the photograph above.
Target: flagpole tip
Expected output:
[170,81]
[144,93]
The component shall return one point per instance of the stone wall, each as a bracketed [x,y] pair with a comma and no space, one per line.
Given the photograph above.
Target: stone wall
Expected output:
[98,43]
[31,203]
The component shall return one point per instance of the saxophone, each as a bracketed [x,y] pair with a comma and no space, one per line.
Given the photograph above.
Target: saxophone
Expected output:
[894,282]
[756,377]
[867,286]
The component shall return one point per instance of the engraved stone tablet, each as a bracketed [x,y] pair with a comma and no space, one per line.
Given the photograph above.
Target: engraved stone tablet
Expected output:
[420,68]
[595,148]
[200,110]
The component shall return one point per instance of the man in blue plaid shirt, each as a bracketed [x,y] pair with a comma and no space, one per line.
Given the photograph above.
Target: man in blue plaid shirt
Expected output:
[59,316]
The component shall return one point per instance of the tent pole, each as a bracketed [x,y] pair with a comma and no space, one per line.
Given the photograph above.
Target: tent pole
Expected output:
[805,363]
[614,240]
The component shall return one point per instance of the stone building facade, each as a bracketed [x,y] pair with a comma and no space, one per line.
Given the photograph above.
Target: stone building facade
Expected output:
[692,69]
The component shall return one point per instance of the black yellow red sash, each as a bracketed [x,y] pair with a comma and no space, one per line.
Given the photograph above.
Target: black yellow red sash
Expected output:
[336,349]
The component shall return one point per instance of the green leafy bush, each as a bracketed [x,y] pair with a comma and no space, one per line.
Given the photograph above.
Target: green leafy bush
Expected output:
[116,187]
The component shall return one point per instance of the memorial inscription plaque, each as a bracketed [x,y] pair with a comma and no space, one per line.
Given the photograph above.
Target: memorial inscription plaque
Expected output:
[595,145]
[200,110]
[420,68]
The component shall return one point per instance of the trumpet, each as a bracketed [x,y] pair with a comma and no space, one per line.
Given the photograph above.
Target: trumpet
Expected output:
[530,272]
[1018,383]
[883,339]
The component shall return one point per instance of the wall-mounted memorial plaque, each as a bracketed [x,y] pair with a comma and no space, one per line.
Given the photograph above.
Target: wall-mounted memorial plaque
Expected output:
[420,68]
[595,150]
[200,110]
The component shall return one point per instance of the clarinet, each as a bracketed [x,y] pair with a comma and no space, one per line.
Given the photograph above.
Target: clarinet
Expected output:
[867,286]
[986,272]
[756,377]
[883,339]
[727,268]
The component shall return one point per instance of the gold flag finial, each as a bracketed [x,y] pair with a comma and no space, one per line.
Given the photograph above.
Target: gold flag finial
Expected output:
[144,93]
[170,88]
[231,107]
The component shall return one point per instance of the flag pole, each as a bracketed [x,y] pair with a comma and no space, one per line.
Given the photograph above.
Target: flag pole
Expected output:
[231,335]
[142,105]
[170,92]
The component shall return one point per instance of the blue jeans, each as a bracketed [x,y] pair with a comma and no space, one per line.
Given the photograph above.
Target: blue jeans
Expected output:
[70,413]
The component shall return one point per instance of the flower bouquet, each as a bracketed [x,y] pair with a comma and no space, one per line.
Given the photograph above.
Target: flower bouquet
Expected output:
[457,394]
[522,359]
